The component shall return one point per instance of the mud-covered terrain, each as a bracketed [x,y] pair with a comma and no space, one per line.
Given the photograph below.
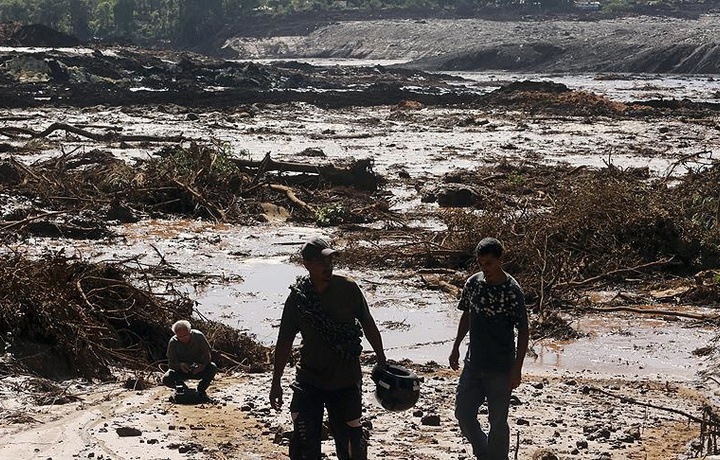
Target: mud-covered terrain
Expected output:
[140,186]
[573,44]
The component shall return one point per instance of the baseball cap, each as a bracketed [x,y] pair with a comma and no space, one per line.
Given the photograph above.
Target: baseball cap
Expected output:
[316,247]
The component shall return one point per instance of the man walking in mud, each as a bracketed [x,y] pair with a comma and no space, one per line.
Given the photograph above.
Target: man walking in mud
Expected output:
[493,306]
[330,313]
[189,357]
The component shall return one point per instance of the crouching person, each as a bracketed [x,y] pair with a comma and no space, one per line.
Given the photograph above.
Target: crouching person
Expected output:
[189,358]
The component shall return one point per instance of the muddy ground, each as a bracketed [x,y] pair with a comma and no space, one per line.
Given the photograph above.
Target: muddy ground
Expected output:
[571,43]
[151,165]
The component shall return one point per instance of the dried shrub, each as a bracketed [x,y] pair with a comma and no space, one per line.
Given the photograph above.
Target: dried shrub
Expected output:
[233,349]
[65,318]
[203,181]
[565,225]
[697,199]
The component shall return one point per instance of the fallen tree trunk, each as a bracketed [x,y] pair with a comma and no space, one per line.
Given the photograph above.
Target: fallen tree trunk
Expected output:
[290,193]
[658,312]
[359,174]
[15,132]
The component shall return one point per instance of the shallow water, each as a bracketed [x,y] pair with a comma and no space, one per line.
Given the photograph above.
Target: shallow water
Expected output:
[420,325]
[252,266]
[255,267]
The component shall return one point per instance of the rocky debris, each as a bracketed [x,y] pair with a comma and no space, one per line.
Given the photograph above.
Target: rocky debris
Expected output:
[129,76]
[544,454]
[430,420]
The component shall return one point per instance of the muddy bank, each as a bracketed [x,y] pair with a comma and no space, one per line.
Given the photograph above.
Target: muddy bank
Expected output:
[596,197]
[633,44]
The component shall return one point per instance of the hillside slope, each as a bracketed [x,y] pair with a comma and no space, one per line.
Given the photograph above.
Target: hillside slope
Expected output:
[631,44]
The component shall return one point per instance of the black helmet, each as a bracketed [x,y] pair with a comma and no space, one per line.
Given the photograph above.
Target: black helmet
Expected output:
[396,388]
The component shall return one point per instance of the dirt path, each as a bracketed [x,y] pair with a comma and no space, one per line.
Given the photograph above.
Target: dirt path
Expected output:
[570,415]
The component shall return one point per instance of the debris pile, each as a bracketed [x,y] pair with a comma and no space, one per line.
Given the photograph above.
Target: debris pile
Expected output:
[569,228]
[79,195]
[64,318]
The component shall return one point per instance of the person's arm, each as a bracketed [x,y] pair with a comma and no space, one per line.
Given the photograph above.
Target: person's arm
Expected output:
[283,348]
[173,362]
[462,330]
[522,346]
[205,355]
[375,339]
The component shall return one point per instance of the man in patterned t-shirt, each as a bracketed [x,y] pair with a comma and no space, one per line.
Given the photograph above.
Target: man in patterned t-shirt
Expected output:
[493,306]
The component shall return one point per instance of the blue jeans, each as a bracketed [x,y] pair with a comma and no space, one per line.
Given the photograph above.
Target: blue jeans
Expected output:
[475,388]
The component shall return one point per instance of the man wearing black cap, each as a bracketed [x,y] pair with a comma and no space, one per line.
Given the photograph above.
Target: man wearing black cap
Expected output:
[330,313]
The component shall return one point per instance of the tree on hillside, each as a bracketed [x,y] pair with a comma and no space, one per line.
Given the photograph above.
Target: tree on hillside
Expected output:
[14,10]
[124,16]
[198,18]
[79,19]
[238,8]
[53,13]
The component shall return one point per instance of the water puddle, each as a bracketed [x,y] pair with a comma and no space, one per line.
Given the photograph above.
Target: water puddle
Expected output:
[420,325]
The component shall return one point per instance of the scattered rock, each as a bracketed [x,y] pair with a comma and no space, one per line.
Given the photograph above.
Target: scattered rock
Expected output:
[126,431]
[544,454]
[430,420]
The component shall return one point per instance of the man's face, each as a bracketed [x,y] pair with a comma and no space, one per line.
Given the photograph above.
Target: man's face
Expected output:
[183,335]
[320,268]
[489,264]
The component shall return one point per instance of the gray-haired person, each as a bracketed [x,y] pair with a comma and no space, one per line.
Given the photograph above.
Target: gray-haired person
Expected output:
[493,306]
[189,357]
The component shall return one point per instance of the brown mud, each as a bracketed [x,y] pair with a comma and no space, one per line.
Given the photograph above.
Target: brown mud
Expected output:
[70,173]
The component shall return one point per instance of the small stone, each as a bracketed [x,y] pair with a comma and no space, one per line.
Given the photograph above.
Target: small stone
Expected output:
[126,431]
[430,420]
[544,454]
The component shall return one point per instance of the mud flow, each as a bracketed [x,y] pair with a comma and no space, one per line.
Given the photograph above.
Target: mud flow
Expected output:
[139,187]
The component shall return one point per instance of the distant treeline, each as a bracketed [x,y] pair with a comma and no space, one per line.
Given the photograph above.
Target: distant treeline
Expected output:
[185,22]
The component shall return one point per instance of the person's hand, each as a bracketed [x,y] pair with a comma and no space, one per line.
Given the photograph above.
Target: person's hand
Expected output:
[381,362]
[454,359]
[196,368]
[276,396]
[515,378]
[185,367]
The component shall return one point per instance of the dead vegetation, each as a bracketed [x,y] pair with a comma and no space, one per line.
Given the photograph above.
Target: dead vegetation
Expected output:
[79,194]
[64,317]
[569,230]
[550,97]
